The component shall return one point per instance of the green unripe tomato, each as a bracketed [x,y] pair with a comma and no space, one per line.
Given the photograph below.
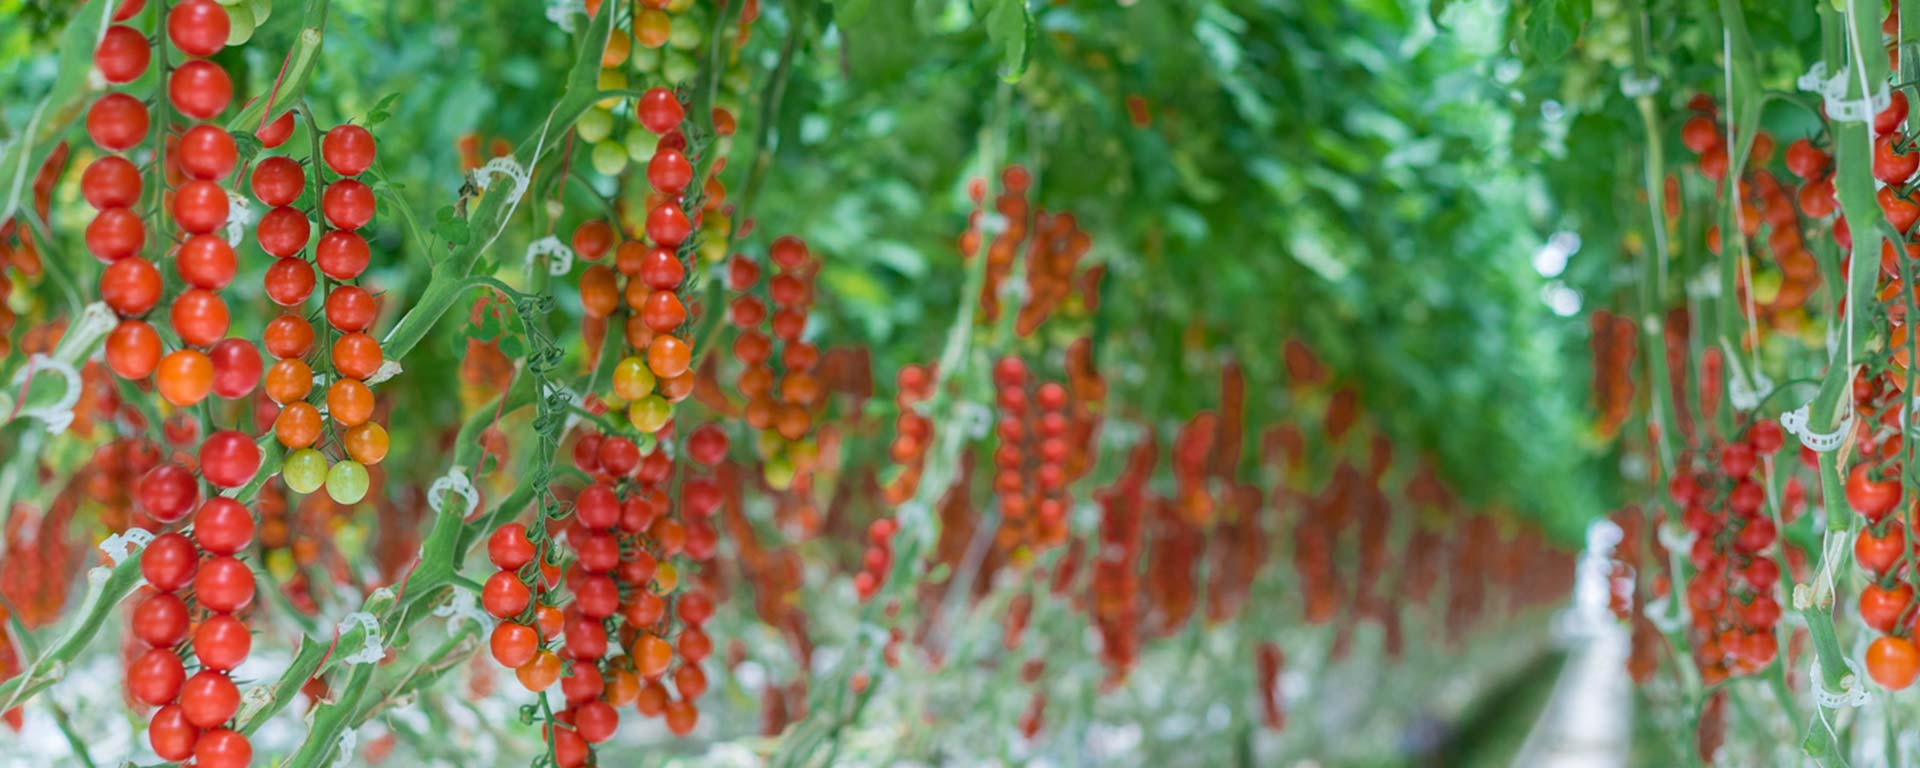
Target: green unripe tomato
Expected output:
[678,7]
[240,24]
[678,66]
[645,59]
[304,470]
[779,473]
[347,482]
[687,34]
[609,158]
[650,413]
[595,124]
[632,379]
[641,143]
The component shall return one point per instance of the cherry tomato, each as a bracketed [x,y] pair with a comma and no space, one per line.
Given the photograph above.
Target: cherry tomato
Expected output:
[223,526]
[111,182]
[199,27]
[347,149]
[224,584]
[209,698]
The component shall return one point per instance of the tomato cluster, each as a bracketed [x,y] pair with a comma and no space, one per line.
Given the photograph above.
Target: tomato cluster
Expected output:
[1030,461]
[659,371]
[1116,575]
[1790,276]
[1057,246]
[778,367]
[17,247]
[1732,591]
[912,431]
[1008,227]
[354,356]
[1614,340]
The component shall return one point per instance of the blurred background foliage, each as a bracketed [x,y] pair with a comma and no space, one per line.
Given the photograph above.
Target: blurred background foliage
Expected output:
[1427,194]
[1360,176]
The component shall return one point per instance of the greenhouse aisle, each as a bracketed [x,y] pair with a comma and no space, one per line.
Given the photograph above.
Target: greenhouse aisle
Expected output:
[1588,721]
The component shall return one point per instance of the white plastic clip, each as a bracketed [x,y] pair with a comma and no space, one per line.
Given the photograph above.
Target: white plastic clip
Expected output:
[388,369]
[343,756]
[503,166]
[455,481]
[1859,110]
[1705,285]
[563,13]
[462,608]
[1797,422]
[121,546]
[1663,619]
[1851,693]
[1814,81]
[1674,538]
[559,256]
[239,217]
[372,652]
[975,419]
[58,415]
[1633,87]
[1747,396]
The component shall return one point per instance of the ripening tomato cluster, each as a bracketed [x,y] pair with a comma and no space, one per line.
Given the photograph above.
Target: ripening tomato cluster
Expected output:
[1614,339]
[912,431]
[1780,286]
[1116,573]
[1269,660]
[117,122]
[659,372]
[778,375]
[1011,213]
[1873,489]
[1732,592]
[1056,250]
[17,248]
[1638,553]
[877,560]
[196,713]
[342,255]
[1030,476]
[624,540]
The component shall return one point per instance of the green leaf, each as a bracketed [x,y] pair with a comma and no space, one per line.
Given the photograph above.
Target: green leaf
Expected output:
[850,11]
[1552,26]
[380,111]
[1010,27]
[451,228]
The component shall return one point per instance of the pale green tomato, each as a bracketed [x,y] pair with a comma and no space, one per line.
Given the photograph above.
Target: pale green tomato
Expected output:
[612,80]
[632,379]
[650,413]
[595,124]
[779,473]
[645,59]
[804,453]
[687,34]
[227,3]
[679,66]
[609,158]
[713,250]
[678,7]
[641,143]
[768,443]
[304,470]
[262,10]
[240,24]
[347,482]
